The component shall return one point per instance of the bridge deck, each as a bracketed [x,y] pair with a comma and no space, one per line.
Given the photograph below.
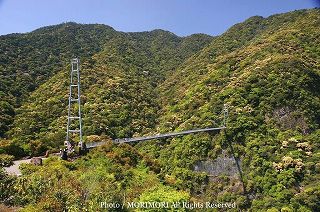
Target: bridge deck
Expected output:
[146,138]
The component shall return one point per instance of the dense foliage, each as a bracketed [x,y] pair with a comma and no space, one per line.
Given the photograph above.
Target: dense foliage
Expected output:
[265,69]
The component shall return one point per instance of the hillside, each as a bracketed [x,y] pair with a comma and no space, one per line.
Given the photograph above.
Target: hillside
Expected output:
[28,60]
[271,84]
[267,70]
[132,59]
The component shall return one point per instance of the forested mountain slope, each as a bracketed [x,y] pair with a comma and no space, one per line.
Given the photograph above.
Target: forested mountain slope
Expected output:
[266,70]
[136,61]
[28,60]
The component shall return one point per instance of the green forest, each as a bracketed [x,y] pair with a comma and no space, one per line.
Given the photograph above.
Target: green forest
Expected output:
[266,70]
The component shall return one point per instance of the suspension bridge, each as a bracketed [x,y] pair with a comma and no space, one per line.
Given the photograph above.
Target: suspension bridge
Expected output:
[153,137]
[75,115]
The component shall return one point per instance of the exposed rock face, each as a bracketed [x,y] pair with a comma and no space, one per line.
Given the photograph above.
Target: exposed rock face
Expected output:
[36,161]
[223,165]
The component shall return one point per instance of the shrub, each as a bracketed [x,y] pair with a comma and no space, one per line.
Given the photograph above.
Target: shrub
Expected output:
[6,160]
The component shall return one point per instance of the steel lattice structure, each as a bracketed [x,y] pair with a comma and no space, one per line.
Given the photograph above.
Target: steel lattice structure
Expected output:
[74,125]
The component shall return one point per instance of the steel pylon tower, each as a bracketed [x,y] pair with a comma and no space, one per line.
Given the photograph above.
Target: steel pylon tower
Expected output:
[74,125]
[225,114]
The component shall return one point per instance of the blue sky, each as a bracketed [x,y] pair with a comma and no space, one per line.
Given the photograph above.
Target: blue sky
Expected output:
[182,17]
